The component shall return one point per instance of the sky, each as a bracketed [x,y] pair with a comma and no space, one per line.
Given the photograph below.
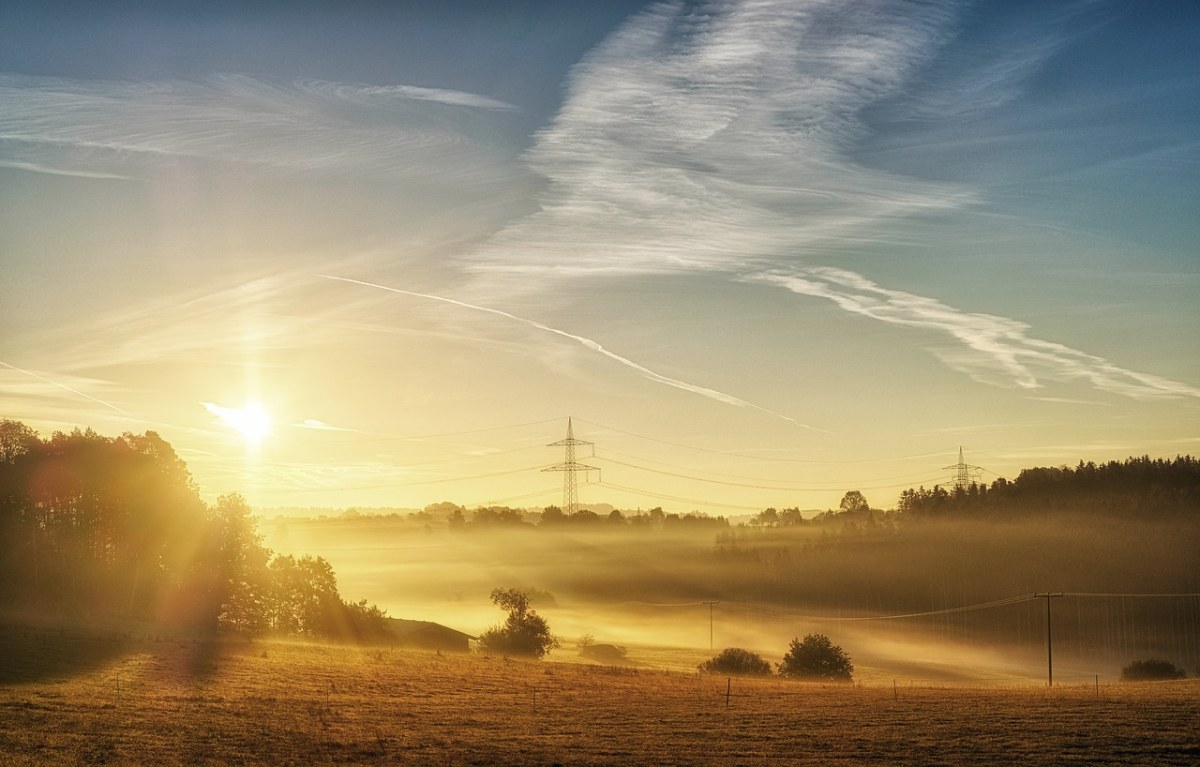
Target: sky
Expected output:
[760,253]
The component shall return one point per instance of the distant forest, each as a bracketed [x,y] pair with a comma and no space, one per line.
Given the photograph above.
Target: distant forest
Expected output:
[1141,488]
[92,526]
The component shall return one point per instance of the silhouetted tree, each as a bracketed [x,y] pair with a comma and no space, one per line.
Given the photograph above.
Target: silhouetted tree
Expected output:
[91,522]
[523,633]
[238,560]
[854,502]
[816,657]
[1151,670]
[736,661]
[768,517]
[303,596]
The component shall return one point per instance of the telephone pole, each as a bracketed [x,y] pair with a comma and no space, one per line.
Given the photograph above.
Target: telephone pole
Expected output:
[569,467]
[1049,637]
[710,604]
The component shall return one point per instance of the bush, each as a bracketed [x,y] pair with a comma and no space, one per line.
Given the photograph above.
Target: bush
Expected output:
[735,660]
[816,657]
[1151,670]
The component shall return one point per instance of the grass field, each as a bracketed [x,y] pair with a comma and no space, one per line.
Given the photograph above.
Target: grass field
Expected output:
[80,699]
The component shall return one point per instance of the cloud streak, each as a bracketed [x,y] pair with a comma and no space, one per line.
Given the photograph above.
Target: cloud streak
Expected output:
[64,387]
[105,129]
[998,349]
[588,343]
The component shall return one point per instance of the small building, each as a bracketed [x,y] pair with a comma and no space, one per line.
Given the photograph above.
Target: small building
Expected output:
[426,635]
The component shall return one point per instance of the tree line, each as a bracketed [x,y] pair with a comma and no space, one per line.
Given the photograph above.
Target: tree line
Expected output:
[93,525]
[1136,488]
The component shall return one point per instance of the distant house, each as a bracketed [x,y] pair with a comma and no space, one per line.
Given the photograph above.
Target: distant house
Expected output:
[425,635]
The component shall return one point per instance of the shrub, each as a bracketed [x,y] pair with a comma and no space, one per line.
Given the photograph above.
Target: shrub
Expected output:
[1151,670]
[735,660]
[816,657]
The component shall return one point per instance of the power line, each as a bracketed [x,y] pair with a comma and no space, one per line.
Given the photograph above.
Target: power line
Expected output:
[523,496]
[743,484]
[758,457]
[678,499]
[758,609]
[755,610]
[1123,596]
[607,451]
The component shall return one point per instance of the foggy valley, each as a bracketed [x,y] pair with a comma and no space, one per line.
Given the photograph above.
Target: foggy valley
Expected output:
[647,587]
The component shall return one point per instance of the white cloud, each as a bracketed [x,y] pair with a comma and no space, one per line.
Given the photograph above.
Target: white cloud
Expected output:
[994,350]
[110,128]
[719,139]
[707,140]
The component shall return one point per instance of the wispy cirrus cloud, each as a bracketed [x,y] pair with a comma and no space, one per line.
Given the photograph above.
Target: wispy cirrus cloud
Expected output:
[108,129]
[995,350]
[52,384]
[213,324]
[588,343]
[714,138]
[720,139]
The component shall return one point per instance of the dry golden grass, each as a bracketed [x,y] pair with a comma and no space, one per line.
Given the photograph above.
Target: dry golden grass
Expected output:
[181,703]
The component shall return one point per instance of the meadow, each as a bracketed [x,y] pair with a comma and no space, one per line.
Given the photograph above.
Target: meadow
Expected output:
[68,698]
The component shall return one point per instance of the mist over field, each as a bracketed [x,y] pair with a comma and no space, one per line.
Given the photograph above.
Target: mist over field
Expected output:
[648,588]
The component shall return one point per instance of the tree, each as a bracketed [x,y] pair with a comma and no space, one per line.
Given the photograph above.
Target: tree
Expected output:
[553,515]
[1151,670]
[816,657]
[854,502]
[238,560]
[768,517]
[523,633]
[16,440]
[736,661]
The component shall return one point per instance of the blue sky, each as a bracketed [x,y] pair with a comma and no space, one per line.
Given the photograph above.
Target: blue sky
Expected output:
[767,252]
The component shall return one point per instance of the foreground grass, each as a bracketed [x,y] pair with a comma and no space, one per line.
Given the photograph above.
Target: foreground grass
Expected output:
[183,703]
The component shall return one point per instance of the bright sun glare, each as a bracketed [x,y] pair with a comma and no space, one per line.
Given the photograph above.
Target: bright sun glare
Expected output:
[251,421]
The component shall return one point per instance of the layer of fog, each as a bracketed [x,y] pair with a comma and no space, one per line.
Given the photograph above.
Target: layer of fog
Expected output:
[647,590]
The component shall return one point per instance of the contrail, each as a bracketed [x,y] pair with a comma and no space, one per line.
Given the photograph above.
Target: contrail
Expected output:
[64,386]
[728,399]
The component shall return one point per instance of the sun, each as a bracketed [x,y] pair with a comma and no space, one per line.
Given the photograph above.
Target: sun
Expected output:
[252,421]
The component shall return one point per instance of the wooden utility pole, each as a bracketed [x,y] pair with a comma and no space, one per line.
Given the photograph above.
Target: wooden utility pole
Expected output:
[1049,638]
[710,604]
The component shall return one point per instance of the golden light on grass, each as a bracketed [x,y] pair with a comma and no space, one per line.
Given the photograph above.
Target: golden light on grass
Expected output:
[183,702]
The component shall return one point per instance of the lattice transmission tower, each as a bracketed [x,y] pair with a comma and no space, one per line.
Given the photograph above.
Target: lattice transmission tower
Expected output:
[964,474]
[570,468]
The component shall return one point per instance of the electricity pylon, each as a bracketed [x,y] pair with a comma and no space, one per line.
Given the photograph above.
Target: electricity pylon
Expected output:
[569,467]
[964,473]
